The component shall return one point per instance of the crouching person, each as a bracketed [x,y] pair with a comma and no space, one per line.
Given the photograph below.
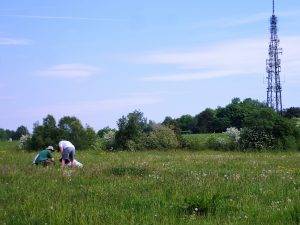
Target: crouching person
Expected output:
[67,150]
[44,157]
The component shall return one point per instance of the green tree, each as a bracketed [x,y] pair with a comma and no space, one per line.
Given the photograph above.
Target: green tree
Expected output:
[292,112]
[71,129]
[50,131]
[205,121]
[172,124]
[21,130]
[281,131]
[104,130]
[130,129]
[90,137]
[186,123]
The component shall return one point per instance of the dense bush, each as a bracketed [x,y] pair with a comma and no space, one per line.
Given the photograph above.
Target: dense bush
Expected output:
[99,144]
[255,139]
[265,129]
[220,143]
[234,134]
[162,137]
[106,142]
[24,142]
[131,129]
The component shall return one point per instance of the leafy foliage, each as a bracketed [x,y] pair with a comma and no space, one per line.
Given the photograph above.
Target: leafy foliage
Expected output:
[21,130]
[6,134]
[265,128]
[292,112]
[130,130]
[68,128]
[161,137]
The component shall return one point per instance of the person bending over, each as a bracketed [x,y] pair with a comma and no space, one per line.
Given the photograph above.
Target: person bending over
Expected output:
[44,157]
[67,150]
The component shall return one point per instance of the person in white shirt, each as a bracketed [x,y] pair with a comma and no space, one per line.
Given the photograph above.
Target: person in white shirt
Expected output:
[67,150]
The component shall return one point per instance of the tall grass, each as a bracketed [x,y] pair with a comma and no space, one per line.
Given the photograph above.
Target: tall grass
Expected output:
[173,187]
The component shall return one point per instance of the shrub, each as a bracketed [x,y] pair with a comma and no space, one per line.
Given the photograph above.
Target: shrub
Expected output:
[220,143]
[267,129]
[24,142]
[256,139]
[106,142]
[162,137]
[234,134]
[134,145]
[99,145]
[130,130]
[109,139]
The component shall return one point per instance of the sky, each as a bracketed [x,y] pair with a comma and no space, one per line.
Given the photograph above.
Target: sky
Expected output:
[98,60]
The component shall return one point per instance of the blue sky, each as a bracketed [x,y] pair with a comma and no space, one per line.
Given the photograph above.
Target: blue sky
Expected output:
[99,60]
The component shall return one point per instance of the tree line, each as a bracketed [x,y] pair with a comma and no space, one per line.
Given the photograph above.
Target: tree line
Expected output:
[258,126]
[218,120]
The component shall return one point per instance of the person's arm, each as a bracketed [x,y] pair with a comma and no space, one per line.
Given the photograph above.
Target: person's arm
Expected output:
[62,163]
[50,156]
[61,152]
[61,149]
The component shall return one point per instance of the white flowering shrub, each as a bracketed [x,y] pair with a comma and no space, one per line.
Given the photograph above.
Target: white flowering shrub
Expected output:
[24,142]
[256,139]
[107,142]
[234,134]
[109,138]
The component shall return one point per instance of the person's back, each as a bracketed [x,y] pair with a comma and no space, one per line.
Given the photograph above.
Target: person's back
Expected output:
[67,150]
[65,144]
[45,156]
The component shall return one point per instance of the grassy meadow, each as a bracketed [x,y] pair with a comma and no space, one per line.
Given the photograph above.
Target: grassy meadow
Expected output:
[152,187]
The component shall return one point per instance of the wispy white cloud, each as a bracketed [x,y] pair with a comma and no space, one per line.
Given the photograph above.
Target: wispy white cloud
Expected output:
[194,76]
[69,71]
[93,107]
[240,21]
[14,41]
[41,17]
[233,58]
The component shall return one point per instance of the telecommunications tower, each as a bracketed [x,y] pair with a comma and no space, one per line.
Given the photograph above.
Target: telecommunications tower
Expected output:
[274,89]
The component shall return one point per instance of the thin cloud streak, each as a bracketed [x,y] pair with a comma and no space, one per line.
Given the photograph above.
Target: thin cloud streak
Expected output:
[251,19]
[194,76]
[69,71]
[238,57]
[14,41]
[64,18]
[93,107]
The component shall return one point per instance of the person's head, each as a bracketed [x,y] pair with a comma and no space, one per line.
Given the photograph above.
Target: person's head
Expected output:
[50,148]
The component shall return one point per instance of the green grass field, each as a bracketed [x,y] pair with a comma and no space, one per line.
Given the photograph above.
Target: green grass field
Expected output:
[170,187]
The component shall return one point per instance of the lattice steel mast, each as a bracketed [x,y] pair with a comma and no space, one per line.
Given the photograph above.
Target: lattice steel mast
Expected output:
[274,89]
